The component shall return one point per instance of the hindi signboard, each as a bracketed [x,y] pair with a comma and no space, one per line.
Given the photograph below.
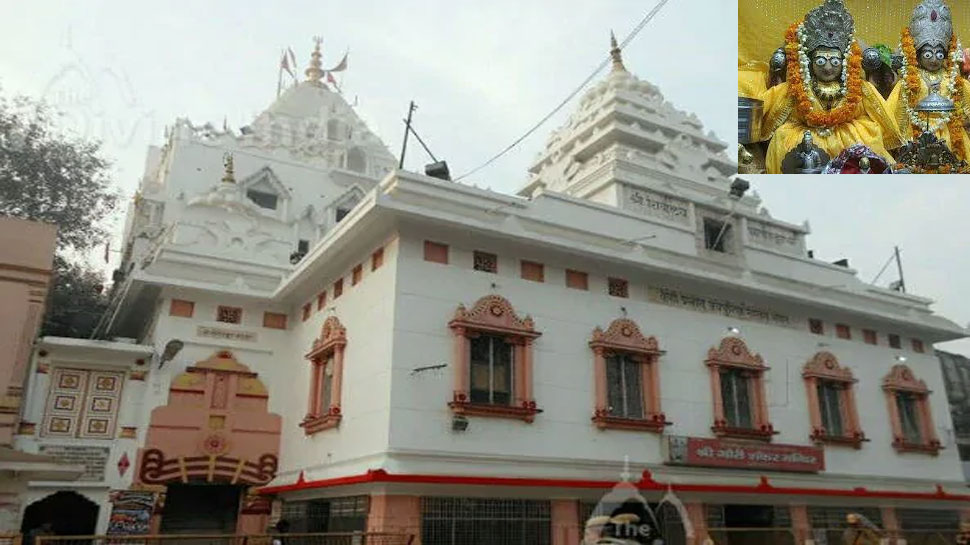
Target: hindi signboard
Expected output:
[711,452]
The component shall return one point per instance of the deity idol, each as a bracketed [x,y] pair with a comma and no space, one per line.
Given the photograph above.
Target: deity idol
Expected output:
[825,92]
[932,56]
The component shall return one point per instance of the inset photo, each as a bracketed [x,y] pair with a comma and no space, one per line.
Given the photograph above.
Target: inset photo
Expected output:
[853,87]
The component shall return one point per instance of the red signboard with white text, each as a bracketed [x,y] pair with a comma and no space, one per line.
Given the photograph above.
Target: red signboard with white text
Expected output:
[710,452]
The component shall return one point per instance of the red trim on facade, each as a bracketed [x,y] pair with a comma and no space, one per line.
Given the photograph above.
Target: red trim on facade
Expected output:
[646,482]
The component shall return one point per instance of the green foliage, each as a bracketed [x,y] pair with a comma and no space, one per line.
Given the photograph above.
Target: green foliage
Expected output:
[76,300]
[48,176]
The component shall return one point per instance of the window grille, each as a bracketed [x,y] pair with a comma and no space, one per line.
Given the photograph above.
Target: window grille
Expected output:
[835,517]
[229,315]
[461,521]
[624,386]
[347,514]
[486,262]
[928,519]
[909,416]
[735,396]
[491,367]
[830,406]
[619,287]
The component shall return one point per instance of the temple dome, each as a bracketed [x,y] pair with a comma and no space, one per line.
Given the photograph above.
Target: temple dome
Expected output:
[622,117]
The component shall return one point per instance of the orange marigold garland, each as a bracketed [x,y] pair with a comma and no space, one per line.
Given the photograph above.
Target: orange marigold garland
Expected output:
[796,84]
[912,86]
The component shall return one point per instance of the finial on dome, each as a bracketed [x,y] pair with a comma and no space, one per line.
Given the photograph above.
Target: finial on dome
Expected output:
[615,53]
[315,72]
[229,177]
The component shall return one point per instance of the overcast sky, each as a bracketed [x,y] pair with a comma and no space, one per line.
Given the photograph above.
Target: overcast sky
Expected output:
[481,73]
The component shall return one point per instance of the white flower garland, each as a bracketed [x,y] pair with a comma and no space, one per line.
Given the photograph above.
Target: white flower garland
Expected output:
[956,58]
[805,68]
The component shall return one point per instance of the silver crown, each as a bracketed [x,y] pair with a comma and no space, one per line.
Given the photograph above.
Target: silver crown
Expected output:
[829,25]
[931,24]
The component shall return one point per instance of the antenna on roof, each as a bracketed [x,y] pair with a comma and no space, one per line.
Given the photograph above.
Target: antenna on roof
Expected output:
[897,285]
[437,169]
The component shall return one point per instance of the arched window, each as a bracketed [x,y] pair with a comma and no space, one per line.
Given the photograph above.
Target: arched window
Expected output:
[831,401]
[627,379]
[327,358]
[738,390]
[493,361]
[909,412]
[356,160]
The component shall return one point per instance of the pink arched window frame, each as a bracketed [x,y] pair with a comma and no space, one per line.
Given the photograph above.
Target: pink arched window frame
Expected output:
[328,349]
[901,380]
[494,315]
[623,336]
[733,353]
[824,367]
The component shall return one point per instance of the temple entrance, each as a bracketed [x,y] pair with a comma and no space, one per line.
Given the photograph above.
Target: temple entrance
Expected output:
[67,514]
[751,525]
[200,509]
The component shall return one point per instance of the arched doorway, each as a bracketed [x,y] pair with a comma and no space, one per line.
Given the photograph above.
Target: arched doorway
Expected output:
[68,513]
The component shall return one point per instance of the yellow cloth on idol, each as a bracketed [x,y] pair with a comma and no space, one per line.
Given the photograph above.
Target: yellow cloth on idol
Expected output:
[752,79]
[897,109]
[872,126]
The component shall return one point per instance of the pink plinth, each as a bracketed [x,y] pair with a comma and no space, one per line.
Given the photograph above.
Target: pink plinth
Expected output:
[565,522]
[395,514]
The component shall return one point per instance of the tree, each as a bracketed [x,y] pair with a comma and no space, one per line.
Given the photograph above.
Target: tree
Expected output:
[49,176]
[76,300]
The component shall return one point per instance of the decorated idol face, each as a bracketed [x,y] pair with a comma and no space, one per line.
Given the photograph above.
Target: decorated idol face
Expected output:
[826,64]
[931,57]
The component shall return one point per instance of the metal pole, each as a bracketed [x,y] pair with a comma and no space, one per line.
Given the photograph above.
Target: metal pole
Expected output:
[423,145]
[899,265]
[407,129]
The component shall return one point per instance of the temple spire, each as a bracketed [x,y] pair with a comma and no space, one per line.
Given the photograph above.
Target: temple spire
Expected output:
[229,177]
[615,53]
[315,72]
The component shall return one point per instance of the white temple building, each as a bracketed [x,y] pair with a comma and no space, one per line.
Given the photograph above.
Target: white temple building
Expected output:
[302,331]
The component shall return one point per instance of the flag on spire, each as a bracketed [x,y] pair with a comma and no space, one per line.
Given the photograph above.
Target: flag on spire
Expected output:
[341,66]
[332,81]
[285,63]
[289,51]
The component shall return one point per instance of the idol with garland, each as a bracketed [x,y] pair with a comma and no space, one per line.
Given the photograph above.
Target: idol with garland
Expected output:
[825,92]
[932,57]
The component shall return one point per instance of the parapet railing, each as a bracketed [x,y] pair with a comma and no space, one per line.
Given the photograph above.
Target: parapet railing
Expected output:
[336,538]
[830,536]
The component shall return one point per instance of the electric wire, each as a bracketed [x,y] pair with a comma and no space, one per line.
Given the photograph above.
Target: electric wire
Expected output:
[602,65]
